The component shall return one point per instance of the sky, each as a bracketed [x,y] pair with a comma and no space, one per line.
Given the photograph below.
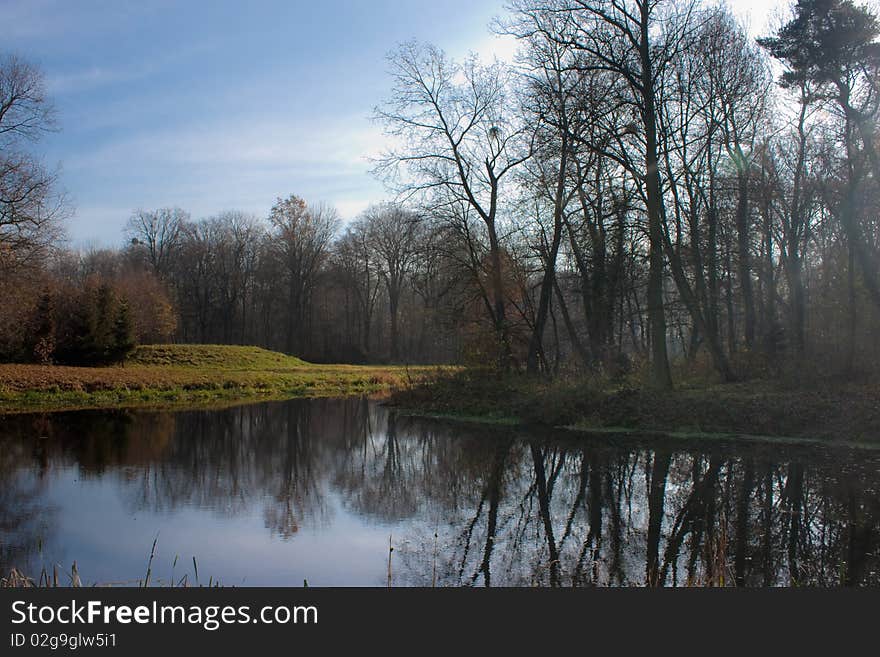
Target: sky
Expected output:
[228,105]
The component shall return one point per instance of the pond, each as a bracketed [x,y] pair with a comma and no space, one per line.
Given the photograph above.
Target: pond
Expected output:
[280,493]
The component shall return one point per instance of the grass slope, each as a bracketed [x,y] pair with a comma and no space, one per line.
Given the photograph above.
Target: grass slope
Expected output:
[227,357]
[172,375]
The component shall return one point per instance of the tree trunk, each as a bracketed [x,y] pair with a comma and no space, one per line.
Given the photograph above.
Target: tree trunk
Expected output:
[656,499]
[544,508]
[576,341]
[504,356]
[661,377]
[743,245]
[548,282]
[393,306]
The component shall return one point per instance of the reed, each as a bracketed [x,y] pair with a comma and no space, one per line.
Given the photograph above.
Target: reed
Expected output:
[50,578]
[390,552]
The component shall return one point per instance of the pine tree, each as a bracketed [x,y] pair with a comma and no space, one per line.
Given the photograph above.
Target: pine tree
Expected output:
[41,334]
[123,332]
[105,311]
[76,341]
[825,42]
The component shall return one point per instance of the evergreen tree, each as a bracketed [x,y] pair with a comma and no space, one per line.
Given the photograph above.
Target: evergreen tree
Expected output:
[41,333]
[825,42]
[105,311]
[76,342]
[123,332]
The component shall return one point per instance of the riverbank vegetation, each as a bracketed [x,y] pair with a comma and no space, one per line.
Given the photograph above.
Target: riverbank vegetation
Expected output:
[831,411]
[177,375]
[639,196]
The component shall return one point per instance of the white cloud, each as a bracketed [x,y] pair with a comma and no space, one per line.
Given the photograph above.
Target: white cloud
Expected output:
[351,208]
[242,164]
[502,47]
[342,144]
[760,16]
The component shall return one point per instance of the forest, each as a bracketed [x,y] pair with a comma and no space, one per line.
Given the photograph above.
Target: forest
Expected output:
[648,191]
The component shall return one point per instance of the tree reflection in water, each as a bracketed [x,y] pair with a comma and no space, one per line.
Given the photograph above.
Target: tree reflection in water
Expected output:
[25,517]
[470,506]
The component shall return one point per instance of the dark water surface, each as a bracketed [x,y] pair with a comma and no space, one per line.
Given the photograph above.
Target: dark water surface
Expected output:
[278,493]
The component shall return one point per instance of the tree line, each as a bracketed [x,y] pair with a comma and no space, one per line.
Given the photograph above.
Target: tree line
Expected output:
[642,184]
[646,186]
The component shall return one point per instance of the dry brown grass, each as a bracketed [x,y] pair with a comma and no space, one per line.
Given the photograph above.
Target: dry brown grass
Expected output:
[55,378]
[200,373]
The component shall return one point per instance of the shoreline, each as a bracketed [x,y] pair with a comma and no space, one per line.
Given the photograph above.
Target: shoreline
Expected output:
[192,375]
[678,437]
[178,377]
[828,414]
[168,400]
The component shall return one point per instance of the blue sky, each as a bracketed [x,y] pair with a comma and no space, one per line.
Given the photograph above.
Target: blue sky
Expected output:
[213,106]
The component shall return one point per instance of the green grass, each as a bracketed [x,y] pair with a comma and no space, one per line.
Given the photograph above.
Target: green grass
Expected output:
[192,375]
[226,357]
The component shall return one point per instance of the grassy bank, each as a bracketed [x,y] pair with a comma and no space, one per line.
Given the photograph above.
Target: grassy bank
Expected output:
[178,375]
[830,411]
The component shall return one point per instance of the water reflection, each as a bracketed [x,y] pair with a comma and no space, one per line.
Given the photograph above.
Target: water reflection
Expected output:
[276,493]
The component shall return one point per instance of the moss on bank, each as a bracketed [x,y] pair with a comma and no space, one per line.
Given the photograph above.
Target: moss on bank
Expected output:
[831,411]
[177,375]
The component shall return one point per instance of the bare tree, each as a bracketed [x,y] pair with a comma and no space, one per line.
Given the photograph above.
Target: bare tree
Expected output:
[31,206]
[160,231]
[459,141]
[634,41]
[554,100]
[238,237]
[302,236]
[357,263]
[393,235]
[711,109]
[741,83]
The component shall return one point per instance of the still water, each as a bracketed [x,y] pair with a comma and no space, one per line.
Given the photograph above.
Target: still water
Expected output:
[317,490]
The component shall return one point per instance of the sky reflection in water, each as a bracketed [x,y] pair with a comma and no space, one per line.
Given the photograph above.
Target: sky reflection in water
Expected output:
[279,493]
